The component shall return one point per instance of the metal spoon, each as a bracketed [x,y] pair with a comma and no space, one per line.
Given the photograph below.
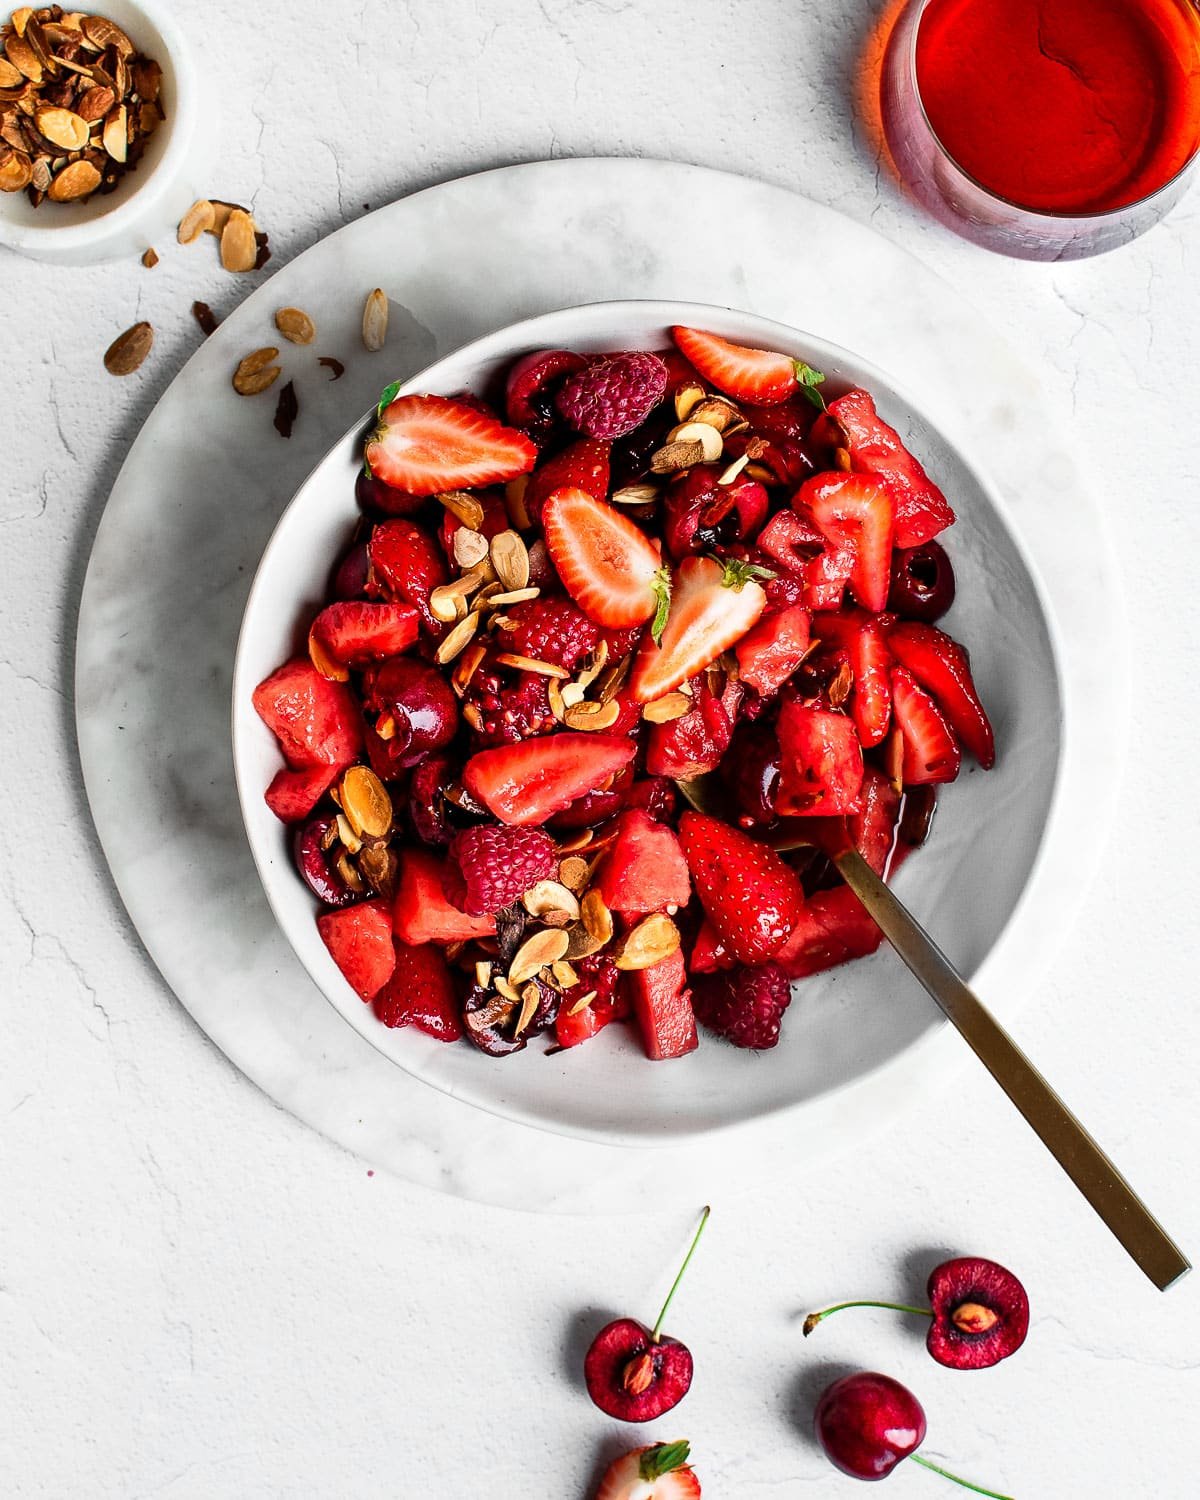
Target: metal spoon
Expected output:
[1079,1155]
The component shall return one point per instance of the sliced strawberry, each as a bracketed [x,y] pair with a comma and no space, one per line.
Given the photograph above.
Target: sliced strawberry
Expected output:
[862,639]
[292,795]
[644,869]
[356,632]
[609,567]
[931,752]
[855,513]
[583,465]
[821,764]
[709,953]
[750,896]
[871,830]
[359,939]
[712,607]
[758,375]
[525,783]
[422,911]
[695,742]
[409,565]
[663,1006]
[943,667]
[658,1472]
[833,929]
[316,721]
[420,993]
[922,511]
[769,654]
[801,548]
[427,444]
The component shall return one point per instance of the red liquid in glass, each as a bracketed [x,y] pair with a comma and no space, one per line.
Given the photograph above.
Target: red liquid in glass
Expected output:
[1065,106]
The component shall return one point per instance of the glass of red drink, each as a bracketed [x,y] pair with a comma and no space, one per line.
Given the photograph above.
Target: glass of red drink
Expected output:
[1049,129]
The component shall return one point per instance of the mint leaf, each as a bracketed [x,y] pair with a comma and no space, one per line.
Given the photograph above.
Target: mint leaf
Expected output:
[662,592]
[390,393]
[663,1459]
[809,380]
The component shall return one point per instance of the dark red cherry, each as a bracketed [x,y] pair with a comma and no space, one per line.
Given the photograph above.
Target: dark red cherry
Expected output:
[867,1423]
[752,770]
[634,1377]
[980,1313]
[313,862]
[373,495]
[414,708]
[922,585]
[350,575]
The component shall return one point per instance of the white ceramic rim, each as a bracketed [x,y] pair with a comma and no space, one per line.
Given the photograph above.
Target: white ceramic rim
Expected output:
[538,331]
[64,237]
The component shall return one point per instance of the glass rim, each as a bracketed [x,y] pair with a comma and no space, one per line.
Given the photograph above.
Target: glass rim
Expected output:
[1102,216]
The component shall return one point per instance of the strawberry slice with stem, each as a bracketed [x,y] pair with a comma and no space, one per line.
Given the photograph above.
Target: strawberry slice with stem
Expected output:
[856,514]
[943,668]
[931,752]
[611,568]
[761,376]
[658,1472]
[712,606]
[428,444]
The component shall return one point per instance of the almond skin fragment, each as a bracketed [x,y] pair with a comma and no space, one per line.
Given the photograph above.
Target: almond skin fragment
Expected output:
[128,350]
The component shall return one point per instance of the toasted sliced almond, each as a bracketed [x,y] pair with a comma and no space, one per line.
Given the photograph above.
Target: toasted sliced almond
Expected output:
[612,679]
[221,212]
[589,715]
[757,471]
[346,834]
[531,998]
[663,710]
[596,917]
[199,217]
[593,669]
[150,258]
[466,666]
[653,939]
[687,398]
[239,248]
[366,803]
[554,693]
[565,974]
[549,895]
[10,77]
[546,946]
[510,558]
[483,972]
[716,413]
[62,127]
[711,442]
[635,494]
[515,596]
[23,58]
[735,468]
[375,320]
[463,507]
[385,727]
[76,180]
[571,694]
[15,171]
[115,135]
[346,869]
[470,547]
[295,325]
[675,457]
[128,350]
[582,1003]
[573,872]
[325,663]
[447,604]
[531,664]
[102,33]
[256,372]
[514,499]
[457,640]
[581,944]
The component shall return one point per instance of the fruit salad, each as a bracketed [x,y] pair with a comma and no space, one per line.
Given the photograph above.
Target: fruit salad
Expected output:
[566,602]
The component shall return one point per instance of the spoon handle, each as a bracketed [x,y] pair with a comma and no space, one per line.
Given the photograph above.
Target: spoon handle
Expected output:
[1070,1143]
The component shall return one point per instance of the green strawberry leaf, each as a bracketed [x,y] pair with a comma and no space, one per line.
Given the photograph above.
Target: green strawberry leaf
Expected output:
[809,380]
[390,393]
[662,592]
[736,574]
[662,1459]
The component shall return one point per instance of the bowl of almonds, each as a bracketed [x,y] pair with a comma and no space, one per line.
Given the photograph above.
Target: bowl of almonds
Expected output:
[98,130]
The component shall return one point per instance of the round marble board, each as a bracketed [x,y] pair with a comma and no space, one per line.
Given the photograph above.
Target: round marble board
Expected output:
[207,479]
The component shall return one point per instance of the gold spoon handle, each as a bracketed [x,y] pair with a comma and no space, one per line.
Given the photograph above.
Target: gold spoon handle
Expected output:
[1069,1142]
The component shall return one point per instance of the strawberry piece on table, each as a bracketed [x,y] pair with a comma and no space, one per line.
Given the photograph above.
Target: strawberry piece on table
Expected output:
[820,762]
[582,466]
[316,721]
[752,898]
[420,993]
[922,511]
[409,565]
[644,869]
[862,639]
[662,1004]
[760,376]
[356,632]
[695,742]
[713,605]
[527,782]
[427,444]
[833,929]
[611,568]
[359,939]
[659,1472]
[943,668]
[855,513]
[292,795]
[421,910]
[769,654]
[931,752]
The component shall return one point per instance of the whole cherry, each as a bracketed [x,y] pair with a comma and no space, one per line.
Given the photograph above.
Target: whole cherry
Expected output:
[979,1313]
[867,1423]
[922,586]
[637,1373]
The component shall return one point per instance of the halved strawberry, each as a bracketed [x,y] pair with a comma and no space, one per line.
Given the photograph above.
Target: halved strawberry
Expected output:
[316,721]
[658,1472]
[861,637]
[644,869]
[420,993]
[769,654]
[581,466]
[943,667]
[359,939]
[426,444]
[820,765]
[833,929]
[712,606]
[662,1003]
[855,513]
[422,912]
[875,448]
[931,752]
[611,569]
[750,896]
[758,375]
[292,795]
[527,782]
[355,632]
[409,565]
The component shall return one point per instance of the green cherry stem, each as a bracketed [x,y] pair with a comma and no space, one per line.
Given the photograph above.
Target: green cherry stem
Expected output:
[675,1284]
[814,1318]
[978,1489]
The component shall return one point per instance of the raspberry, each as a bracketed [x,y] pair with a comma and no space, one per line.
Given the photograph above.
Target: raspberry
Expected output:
[507,710]
[491,867]
[552,630]
[743,1005]
[613,396]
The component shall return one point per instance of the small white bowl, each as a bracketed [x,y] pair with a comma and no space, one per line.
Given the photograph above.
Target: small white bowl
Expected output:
[146,201]
[967,884]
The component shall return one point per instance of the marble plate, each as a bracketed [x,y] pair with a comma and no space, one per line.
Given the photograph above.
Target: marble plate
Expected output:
[196,500]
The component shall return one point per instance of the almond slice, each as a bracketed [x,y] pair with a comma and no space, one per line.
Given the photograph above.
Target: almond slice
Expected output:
[256,372]
[592,716]
[463,507]
[510,558]
[596,917]
[295,325]
[239,248]
[653,939]
[483,973]
[115,135]
[573,872]
[76,180]
[128,350]
[635,494]
[470,547]
[565,974]
[711,442]
[581,944]
[62,127]
[549,896]
[199,217]
[529,664]
[516,596]
[734,469]
[546,946]
[531,998]
[458,639]
[582,1003]
[366,803]
[663,710]
[716,413]
[375,320]
[675,457]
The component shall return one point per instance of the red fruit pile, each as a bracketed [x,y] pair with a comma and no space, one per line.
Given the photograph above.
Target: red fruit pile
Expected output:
[619,573]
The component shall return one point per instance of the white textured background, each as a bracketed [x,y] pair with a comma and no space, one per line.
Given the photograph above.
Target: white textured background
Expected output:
[201,1298]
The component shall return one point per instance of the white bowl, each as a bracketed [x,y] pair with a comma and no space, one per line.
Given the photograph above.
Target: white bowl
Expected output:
[150,199]
[967,883]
